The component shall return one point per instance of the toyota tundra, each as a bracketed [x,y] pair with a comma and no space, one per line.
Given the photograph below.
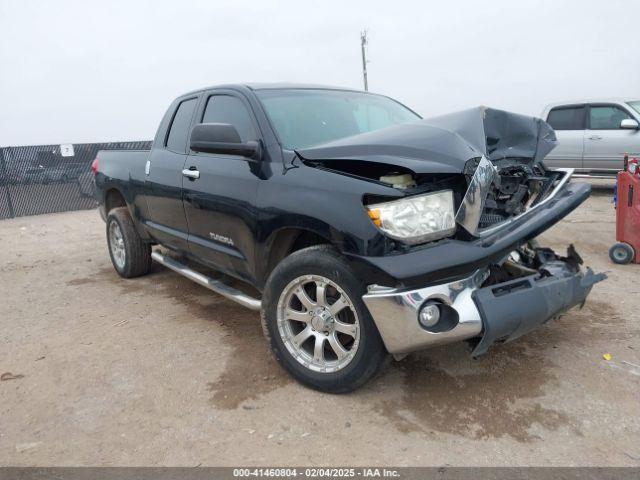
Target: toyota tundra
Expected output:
[360,229]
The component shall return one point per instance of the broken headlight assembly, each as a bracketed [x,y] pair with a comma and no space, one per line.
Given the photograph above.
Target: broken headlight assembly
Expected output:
[416,219]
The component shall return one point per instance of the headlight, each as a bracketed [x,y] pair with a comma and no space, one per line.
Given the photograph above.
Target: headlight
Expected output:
[416,219]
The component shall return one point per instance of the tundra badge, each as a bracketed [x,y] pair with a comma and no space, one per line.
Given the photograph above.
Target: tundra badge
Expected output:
[221,238]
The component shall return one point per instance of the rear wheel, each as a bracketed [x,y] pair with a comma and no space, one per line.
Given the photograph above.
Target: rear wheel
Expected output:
[318,327]
[621,253]
[131,257]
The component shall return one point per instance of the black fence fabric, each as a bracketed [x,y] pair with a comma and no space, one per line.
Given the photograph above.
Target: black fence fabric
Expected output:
[41,179]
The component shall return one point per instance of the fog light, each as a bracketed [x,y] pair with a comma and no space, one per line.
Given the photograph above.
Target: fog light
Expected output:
[429,315]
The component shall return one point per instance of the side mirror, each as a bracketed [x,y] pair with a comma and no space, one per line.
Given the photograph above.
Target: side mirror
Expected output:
[629,124]
[222,138]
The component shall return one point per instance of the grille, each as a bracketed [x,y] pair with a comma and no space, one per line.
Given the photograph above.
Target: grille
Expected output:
[489,219]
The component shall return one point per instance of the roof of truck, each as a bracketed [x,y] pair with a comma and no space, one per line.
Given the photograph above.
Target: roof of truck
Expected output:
[274,86]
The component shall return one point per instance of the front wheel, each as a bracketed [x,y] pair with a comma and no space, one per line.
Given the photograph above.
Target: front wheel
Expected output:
[317,324]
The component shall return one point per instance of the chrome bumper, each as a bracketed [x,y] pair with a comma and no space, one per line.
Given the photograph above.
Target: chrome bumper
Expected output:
[395,314]
[495,313]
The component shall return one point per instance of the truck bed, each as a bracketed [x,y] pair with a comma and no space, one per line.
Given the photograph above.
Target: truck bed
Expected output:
[123,164]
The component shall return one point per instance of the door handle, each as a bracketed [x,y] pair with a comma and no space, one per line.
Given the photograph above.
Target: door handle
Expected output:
[191,174]
[595,137]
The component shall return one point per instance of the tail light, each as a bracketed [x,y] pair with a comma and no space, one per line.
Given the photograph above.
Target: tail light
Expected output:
[94,166]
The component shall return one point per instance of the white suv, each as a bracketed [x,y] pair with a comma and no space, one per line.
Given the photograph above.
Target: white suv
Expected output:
[594,135]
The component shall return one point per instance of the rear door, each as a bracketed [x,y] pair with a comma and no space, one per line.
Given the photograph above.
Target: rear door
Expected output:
[167,221]
[220,204]
[605,142]
[569,123]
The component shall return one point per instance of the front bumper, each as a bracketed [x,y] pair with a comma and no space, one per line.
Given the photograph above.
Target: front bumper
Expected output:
[497,313]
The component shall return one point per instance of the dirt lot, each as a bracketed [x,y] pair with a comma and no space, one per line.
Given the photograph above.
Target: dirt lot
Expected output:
[159,371]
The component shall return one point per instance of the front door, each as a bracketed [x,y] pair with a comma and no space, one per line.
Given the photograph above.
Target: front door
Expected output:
[219,204]
[605,142]
[167,221]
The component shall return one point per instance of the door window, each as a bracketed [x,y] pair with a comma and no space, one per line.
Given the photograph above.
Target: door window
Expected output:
[179,129]
[231,110]
[606,117]
[567,118]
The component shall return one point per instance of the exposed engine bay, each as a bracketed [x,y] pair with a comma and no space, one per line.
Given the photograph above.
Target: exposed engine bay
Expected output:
[518,186]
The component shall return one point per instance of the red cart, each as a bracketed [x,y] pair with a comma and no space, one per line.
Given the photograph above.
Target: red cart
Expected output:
[627,216]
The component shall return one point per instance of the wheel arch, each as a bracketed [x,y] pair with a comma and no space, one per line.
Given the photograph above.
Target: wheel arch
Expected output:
[286,240]
[113,198]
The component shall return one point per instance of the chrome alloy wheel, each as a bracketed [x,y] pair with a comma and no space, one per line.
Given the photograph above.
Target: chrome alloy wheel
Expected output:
[318,323]
[116,244]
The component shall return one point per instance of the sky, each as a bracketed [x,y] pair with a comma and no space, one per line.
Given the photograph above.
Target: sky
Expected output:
[89,71]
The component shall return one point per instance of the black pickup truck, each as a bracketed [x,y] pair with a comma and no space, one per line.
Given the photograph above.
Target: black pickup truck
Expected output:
[363,229]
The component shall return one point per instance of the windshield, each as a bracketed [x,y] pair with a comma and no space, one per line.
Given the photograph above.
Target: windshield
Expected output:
[635,105]
[307,117]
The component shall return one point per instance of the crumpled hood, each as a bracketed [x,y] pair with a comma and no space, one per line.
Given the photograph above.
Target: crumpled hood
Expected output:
[444,144]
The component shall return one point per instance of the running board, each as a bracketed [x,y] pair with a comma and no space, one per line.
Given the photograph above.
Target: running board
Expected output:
[207,282]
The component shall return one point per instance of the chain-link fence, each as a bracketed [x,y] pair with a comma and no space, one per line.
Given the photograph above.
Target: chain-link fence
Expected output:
[41,179]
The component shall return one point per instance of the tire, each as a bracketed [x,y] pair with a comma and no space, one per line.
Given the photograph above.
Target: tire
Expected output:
[621,253]
[130,256]
[351,351]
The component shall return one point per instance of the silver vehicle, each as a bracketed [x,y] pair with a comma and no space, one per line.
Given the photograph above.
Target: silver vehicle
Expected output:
[594,135]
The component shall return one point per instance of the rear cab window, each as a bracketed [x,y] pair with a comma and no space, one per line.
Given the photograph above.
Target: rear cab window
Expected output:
[176,140]
[567,117]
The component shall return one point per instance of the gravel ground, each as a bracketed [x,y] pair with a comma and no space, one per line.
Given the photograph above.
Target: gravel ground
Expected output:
[160,371]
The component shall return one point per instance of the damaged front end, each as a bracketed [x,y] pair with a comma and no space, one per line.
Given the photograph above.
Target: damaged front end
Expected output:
[490,160]
[531,287]
[476,275]
[496,304]
[501,191]
[509,178]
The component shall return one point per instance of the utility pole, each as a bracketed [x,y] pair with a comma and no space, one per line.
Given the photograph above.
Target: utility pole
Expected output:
[363,43]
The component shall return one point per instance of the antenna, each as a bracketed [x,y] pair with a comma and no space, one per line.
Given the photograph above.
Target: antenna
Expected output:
[363,44]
